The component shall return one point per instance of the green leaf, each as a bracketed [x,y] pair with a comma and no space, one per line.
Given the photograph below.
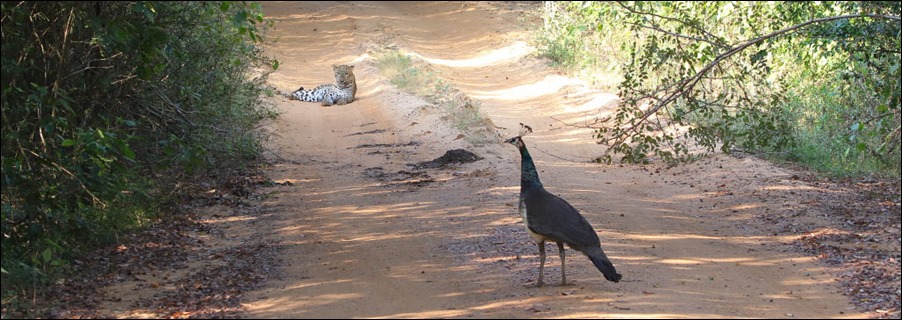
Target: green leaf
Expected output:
[127,151]
[224,6]
[239,17]
[68,143]
[275,65]
[861,146]
[147,9]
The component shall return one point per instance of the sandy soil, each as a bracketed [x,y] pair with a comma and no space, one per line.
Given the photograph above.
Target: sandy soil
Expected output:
[367,236]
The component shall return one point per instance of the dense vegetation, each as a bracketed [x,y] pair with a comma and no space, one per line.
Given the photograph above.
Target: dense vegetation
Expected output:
[812,82]
[109,109]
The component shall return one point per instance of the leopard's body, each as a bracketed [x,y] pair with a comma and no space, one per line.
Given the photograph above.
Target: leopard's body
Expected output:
[341,92]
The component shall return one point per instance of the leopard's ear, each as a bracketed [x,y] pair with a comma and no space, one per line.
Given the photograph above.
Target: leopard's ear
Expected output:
[351,67]
[334,67]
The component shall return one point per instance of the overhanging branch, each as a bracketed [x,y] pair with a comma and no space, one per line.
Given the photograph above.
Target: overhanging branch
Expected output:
[686,85]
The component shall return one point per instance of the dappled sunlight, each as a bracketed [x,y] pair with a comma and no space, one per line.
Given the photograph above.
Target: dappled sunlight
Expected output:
[514,51]
[565,137]
[799,188]
[740,261]
[320,283]
[665,237]
[451,295]
[290,304]
[357,188]
[515,218]
[679,261]
[636,258]
[467,312]
[514,189]
[232,219]
[451,12]
[699,279]
[435,314]
[452,244]
[615,315]
[827,231]
[746,240]
[804,282]
[503,304]
[377,237]
[687,197]
[598,102]
[392,207]
[551,84]
[746,206]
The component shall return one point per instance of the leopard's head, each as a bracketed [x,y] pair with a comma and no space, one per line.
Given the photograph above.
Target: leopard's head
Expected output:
[344,74]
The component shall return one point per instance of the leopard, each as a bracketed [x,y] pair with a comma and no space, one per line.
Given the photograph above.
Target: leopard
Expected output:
[339,93]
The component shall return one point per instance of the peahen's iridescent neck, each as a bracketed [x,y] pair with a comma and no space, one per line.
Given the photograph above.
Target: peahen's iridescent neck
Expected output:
[529,178]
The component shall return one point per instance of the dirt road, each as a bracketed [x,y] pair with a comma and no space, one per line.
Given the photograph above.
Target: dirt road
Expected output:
[367,236]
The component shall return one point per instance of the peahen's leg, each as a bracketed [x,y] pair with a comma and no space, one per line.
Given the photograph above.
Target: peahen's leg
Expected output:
[560,247]
[542,264]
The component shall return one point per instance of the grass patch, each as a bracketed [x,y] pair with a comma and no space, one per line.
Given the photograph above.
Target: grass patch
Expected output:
[415,77]
[581,45]
[830,136]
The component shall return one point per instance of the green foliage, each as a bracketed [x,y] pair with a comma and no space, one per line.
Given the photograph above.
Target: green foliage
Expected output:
[775,78]
[576,36]
[108,105]
[406,73]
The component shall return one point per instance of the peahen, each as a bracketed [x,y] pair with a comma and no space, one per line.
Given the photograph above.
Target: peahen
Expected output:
[550,218]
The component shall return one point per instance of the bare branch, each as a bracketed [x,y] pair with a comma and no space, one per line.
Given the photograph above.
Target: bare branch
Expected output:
[701,30]
[656,28]
[584,126]
[72,175]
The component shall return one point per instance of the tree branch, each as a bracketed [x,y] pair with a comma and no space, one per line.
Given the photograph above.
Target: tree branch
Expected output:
[689,83]
[703,31]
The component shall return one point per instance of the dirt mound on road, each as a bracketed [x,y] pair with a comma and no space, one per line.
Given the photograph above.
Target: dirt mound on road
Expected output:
[456,156]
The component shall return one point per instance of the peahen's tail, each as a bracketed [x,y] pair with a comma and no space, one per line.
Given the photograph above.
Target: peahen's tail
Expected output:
[603,264]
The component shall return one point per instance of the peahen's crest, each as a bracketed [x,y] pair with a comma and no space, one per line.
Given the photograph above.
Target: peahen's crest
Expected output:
[524,130]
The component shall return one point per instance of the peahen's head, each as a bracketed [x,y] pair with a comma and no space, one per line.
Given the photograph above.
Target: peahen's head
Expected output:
[518,140]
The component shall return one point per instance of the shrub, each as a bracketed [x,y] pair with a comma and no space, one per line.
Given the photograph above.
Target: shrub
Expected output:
[108,106]
[811,82]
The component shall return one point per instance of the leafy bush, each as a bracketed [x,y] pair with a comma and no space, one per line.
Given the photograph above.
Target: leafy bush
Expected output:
[811,82]
[108,106]
[578,37]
